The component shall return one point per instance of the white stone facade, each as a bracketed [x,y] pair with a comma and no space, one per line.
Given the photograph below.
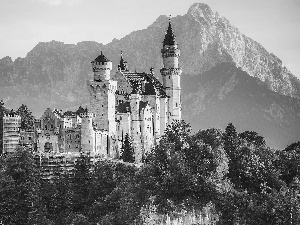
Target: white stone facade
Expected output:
[130,103]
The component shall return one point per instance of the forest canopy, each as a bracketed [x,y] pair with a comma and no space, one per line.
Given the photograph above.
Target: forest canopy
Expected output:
[223,175]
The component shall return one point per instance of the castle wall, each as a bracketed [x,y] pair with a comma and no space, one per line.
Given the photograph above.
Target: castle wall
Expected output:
[136,131]
[147,128]
[124,125]
[87,134]
[72,139]
[101,143]
[102,100]
[154,102]
[27,138]
[11,133]
[46,140]
[164,115]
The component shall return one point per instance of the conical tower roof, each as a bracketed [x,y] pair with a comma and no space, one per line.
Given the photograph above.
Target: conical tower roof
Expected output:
[123,63]
[101,58]
[169,37]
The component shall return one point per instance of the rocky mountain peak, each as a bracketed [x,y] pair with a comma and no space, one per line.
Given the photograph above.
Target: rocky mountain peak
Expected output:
[6,61]
[202,12]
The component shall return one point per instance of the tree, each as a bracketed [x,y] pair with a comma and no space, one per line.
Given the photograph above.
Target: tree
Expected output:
[254,138]
[127,151]
[211,136]
[230,140]
[20,187]
[27,119]
[80,185]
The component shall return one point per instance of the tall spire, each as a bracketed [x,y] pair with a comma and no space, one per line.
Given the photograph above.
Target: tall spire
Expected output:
[123,64]
[169,37]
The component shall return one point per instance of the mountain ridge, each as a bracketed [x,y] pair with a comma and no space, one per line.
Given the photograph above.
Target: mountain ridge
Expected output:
[54,74]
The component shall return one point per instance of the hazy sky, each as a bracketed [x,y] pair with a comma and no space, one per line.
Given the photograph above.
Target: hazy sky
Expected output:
[23,23]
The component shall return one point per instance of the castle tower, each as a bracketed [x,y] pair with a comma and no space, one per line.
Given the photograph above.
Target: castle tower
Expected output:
[102,95]
[171,75]
[87,133]
[11,132]
[136,134]
[123,64]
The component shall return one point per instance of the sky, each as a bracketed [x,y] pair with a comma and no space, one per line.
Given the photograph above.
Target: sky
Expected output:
[24,23]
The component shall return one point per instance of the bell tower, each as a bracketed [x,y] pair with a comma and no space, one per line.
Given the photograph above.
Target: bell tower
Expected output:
[171,75]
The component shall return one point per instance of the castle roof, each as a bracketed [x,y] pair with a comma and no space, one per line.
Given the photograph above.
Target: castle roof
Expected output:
[169,37]
[69,113]
[123,64]
[124,107]
[143,105]
[101,58]
[145,84]
[81,110]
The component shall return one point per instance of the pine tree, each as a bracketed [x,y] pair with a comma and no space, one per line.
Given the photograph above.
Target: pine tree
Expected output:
[20,189]
[230,140]
[127,151]
[27,119]
[80,188]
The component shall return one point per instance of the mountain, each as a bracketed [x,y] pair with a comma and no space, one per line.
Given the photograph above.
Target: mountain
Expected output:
[226,94]
[53,74]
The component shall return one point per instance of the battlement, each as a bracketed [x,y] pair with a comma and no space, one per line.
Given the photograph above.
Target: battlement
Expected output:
[87,115]
[9,116]
[170,71]
[102,65]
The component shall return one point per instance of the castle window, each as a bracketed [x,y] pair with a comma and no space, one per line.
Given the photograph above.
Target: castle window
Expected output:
[176,104]
[169,77]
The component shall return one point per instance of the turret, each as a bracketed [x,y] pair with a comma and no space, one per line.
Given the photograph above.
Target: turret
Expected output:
[102,95]
[123,64]
[11,132]
[136,135]
[170,51]
[171,76]
[101,68]
[87,132]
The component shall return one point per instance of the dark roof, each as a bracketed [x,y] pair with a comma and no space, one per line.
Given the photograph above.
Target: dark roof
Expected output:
[124,107]
[101,58]
[145,84]
[81,110]
[69,113]
[169,37]
[143,105]
[123,64]
[56,111]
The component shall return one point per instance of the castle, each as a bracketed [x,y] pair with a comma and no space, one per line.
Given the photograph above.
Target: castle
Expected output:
[132,103]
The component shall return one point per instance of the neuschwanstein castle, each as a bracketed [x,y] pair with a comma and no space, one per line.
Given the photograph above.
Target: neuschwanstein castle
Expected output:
[132,103]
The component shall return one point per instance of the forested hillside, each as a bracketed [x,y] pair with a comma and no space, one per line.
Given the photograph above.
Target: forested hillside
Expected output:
[213,175]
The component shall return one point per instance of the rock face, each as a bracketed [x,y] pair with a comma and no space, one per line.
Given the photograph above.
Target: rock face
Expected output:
[218,41]
[227,94]
[54,74]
